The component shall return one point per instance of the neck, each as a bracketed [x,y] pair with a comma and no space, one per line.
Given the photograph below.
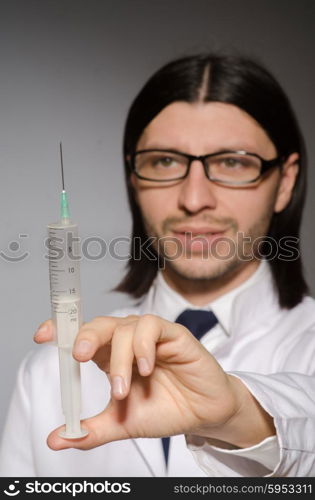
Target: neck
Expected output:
[202,291]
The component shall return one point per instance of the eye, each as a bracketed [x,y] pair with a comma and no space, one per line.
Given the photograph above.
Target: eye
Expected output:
[231,162]
[164,161]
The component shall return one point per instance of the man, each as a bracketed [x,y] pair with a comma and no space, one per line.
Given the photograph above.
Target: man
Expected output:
[215,169]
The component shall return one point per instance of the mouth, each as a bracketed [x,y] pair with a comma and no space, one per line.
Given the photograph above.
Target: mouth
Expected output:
[198,239]
[198,231]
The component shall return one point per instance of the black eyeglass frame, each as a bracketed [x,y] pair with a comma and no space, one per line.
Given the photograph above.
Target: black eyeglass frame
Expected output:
[265,165]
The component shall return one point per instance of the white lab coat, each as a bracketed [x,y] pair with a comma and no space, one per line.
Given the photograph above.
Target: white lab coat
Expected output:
[270,349]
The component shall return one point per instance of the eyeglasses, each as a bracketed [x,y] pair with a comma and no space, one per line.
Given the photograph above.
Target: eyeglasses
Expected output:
[234,168]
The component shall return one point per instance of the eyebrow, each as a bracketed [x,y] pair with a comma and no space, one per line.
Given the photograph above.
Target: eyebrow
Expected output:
[248,149]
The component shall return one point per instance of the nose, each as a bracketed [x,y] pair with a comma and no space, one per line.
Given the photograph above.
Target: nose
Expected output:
[196,191]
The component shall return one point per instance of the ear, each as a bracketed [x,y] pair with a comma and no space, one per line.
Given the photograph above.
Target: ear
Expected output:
[289,173]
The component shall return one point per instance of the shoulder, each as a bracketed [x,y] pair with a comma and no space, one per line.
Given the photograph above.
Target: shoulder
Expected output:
[308,303]
[127,310]
[297,321]
[303,313]
[298,325]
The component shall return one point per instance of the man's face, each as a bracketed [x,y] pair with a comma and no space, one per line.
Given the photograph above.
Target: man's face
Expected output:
[215,225]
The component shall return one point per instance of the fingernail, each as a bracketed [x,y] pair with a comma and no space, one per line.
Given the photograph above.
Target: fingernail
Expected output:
[118,386]
[143,365]
[83,348]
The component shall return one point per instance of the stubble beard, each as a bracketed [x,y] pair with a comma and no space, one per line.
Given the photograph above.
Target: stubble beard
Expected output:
[201,267]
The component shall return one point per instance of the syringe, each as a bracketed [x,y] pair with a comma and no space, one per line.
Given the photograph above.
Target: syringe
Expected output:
[64,274]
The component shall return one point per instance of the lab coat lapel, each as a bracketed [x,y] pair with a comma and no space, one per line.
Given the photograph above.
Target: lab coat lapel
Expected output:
[151,451]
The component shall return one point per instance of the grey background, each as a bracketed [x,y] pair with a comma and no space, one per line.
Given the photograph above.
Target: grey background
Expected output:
[69,70]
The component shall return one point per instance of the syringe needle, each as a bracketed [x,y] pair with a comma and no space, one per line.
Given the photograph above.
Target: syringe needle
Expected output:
[61,162]
[64,205]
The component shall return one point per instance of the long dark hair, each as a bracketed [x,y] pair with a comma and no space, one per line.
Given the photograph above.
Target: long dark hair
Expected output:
[248,85]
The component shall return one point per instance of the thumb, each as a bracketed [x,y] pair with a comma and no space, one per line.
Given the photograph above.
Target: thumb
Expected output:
[45,332]
[103,428]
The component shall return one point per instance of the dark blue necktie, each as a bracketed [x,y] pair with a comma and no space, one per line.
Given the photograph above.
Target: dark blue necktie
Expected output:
[198,323]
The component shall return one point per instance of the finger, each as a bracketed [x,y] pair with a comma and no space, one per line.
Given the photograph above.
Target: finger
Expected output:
[156,337]
[148,331]
[45,332]
[102,429]
[121,360]
[95,334]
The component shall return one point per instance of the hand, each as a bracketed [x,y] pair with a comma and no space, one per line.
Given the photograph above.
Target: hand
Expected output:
[164,382]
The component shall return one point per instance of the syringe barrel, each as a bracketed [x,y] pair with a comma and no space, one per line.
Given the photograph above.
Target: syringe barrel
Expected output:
[64,274]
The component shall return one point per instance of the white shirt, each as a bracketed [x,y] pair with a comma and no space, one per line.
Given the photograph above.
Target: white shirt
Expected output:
[271,350]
